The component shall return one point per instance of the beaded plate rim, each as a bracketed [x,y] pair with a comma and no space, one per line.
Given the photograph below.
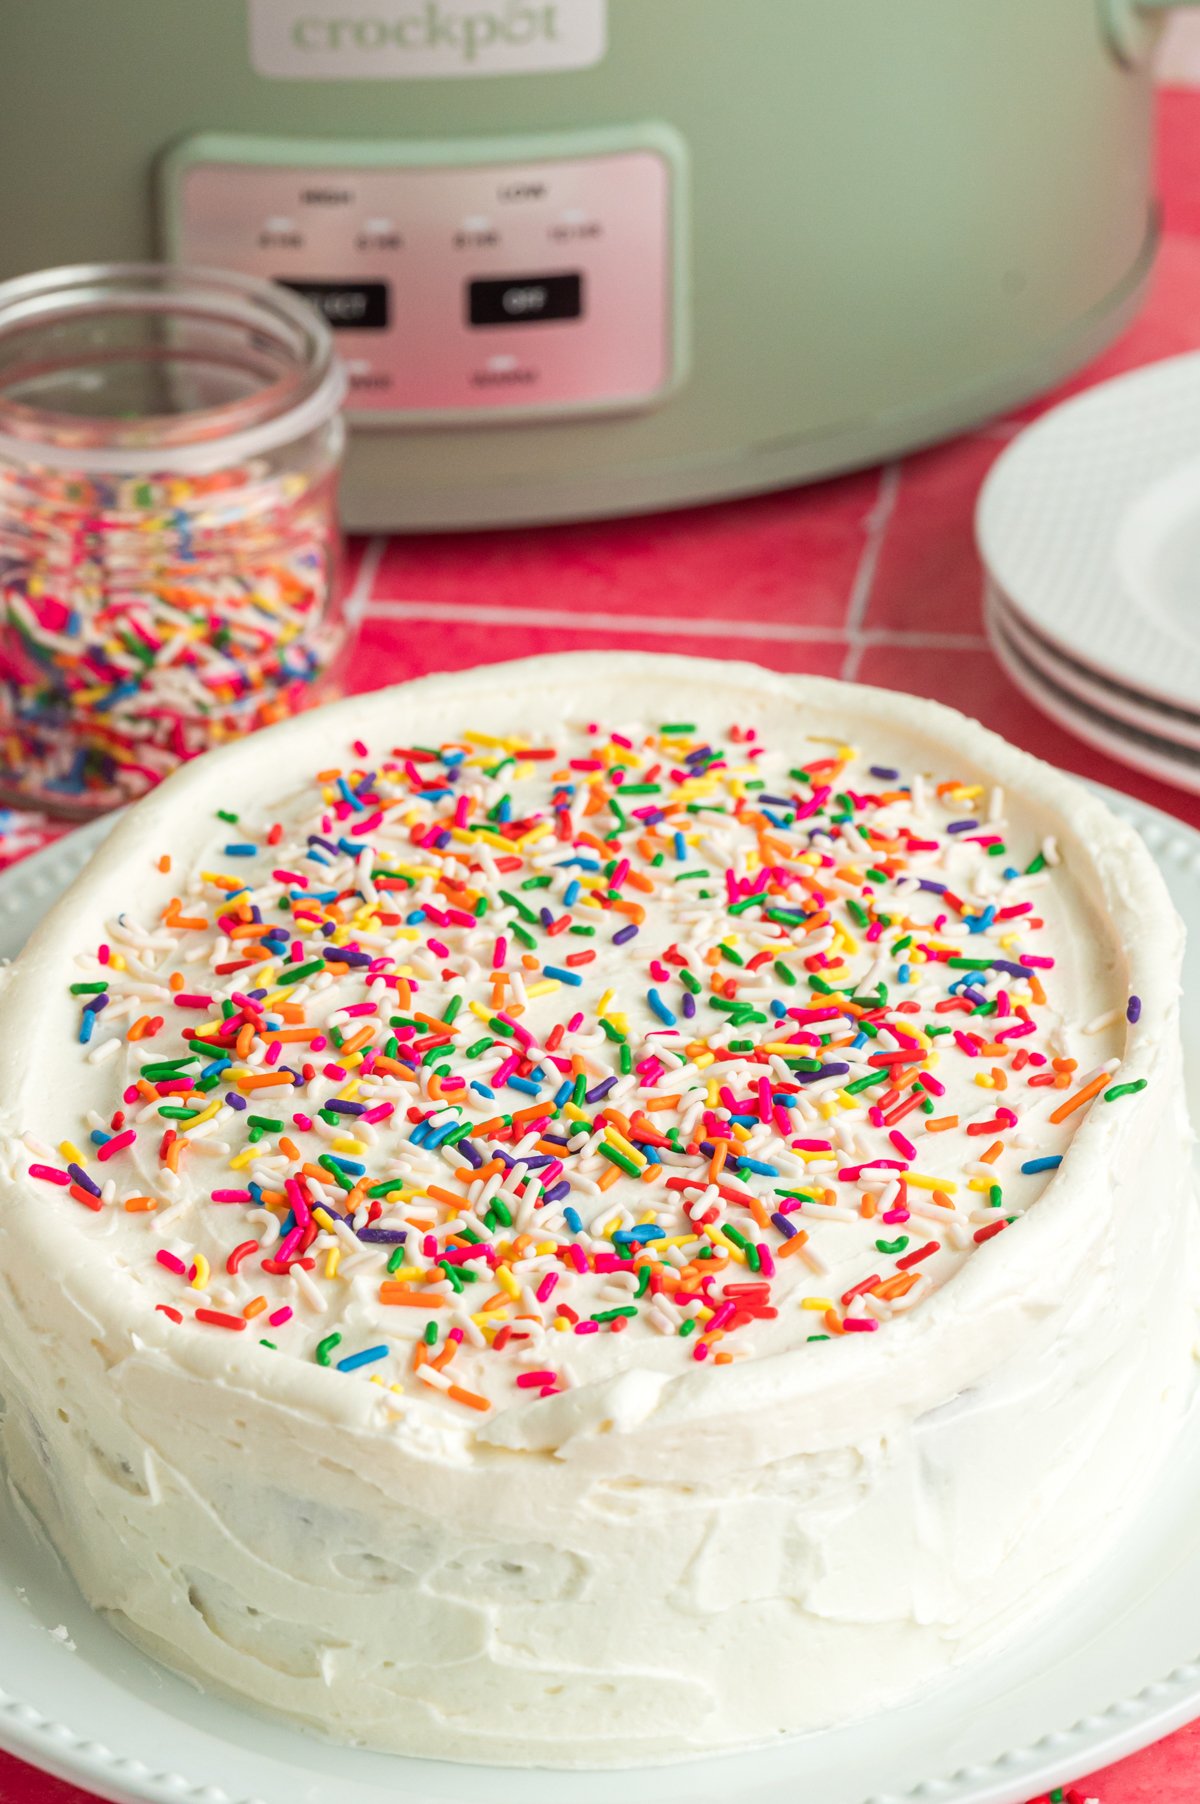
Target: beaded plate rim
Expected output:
[1125,1725]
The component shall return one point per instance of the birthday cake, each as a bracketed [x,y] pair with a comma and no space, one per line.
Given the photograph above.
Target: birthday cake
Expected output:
[595,1210]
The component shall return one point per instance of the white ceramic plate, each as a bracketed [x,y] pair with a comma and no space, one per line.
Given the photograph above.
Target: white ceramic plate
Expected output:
[1089,523]
[1177,726]
[1113,1668]
[1148,752]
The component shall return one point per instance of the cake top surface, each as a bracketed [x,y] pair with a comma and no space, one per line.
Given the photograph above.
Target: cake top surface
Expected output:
[482,1067]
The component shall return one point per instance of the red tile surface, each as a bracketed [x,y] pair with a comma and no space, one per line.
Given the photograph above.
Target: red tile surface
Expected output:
[1168,1773]
[927,578]
[391,649]
[772,558]
[1179,159]
[356,549]
[817,579]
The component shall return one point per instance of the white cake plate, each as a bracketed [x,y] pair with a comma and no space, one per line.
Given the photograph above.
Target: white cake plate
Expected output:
[1089,523]
[1177,727]
[1113,1668]
[1153,754]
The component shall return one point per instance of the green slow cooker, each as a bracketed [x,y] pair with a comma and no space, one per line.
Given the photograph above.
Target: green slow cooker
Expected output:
[595,256]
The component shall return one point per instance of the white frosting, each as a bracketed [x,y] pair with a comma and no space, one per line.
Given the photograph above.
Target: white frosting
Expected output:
[663,1556]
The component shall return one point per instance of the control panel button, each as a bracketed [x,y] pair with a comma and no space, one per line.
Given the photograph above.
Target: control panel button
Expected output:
[476,232]
[573,222]
[524,300]
[280,233]
[380,234]
[362,306]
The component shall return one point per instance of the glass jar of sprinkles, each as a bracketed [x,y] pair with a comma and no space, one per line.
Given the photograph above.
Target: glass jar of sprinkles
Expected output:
[170,441]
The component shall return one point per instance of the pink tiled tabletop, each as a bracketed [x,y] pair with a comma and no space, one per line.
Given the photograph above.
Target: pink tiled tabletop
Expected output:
[872,576]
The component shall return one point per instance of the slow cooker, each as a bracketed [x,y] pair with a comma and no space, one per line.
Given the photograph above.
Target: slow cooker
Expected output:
[594,256]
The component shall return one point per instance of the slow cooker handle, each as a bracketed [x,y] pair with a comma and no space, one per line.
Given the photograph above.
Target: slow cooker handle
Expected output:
[1133,25]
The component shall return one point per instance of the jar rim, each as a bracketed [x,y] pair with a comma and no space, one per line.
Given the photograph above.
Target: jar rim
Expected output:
[305,393]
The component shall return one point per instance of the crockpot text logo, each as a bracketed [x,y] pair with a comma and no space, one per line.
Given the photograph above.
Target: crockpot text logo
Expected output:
[468,34]
[340,39]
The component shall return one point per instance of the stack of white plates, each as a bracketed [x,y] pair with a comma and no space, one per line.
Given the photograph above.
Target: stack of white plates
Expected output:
[1089,530]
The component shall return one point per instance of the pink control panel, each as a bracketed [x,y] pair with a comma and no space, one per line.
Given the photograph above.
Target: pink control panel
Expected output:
[544,286]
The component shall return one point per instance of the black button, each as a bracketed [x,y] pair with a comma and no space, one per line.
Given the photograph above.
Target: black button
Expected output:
[524,300]
[360,305]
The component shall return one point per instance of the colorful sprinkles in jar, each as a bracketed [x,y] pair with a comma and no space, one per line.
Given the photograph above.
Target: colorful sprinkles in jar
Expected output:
[168,536]
[150,620]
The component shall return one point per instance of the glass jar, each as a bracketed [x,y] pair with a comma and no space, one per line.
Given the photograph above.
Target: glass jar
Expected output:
[170,441]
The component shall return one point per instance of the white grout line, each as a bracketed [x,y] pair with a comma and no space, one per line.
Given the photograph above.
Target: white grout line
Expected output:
[685,626]
[868,564]
[787,632]
[359,593]
[882,635]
